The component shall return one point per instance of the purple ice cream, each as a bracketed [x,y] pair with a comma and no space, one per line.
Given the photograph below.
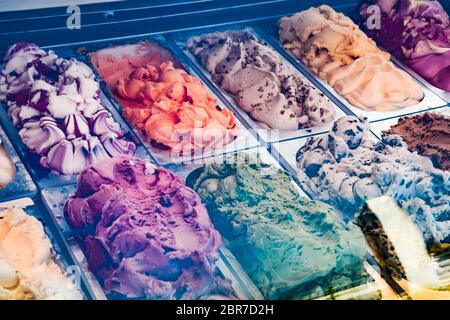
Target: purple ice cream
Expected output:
[144,233]
[55,104]
[418,33]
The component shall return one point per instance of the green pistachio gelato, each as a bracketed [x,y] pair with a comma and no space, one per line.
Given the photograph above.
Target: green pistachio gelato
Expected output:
[290,246]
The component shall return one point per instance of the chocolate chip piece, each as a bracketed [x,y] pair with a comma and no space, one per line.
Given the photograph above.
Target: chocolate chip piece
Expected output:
[165,202]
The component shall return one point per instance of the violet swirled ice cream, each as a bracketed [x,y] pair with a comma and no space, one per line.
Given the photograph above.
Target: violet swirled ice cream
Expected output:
[346,167]
[336,50]
[144,233]
[262,84]
[417,32]
[55,104]
[290,246]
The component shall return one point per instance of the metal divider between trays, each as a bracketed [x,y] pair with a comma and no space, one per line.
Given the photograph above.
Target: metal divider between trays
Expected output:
[107,98]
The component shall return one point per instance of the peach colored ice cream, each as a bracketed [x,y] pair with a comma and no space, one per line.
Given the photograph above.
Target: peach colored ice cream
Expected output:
[27,268]
[260,81]
[170,107]
[336,50]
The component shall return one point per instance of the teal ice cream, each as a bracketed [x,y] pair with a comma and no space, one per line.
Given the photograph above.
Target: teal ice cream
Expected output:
[290,246]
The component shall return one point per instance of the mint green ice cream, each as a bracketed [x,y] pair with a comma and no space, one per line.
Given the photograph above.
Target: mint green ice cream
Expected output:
[290,246]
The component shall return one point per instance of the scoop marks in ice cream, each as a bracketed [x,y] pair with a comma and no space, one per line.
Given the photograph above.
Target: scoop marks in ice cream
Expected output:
[418,33]
[428,134]
[290,246]
[7,168]
[263,85]
[27,268]
[144,233]
[336,50]
[55,105]
[346,167]
[172,108]
[399,248]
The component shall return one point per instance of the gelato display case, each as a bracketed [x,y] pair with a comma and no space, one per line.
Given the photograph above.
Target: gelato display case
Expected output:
[226,150]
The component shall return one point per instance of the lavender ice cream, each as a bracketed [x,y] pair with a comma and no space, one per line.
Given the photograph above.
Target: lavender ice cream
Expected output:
[55,104]
[144,233]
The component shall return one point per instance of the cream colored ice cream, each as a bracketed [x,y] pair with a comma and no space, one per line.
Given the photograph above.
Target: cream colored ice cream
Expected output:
[11,287]
[7,170]
[27,269]
[336,50]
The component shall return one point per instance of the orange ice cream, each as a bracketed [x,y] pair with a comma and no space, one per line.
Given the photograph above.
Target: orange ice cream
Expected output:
[170,107]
